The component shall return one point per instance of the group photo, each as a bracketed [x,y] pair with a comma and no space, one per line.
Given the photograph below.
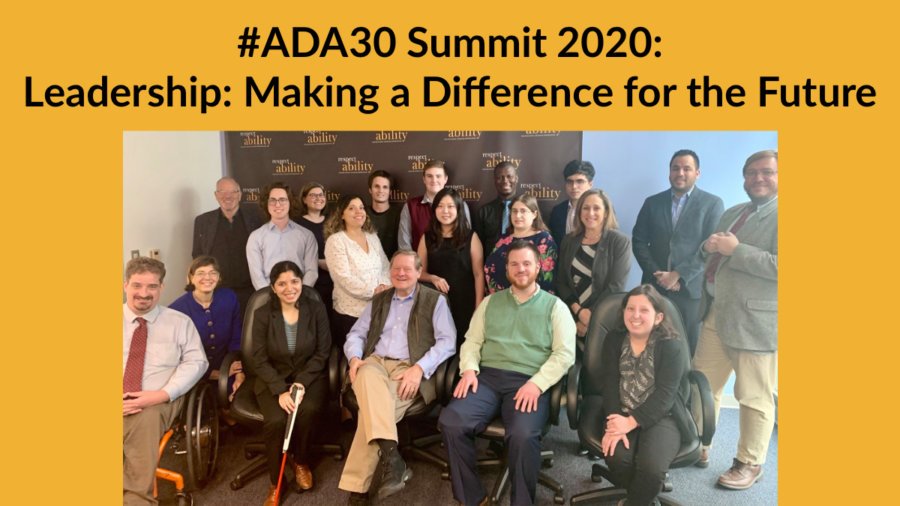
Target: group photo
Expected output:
[450,317]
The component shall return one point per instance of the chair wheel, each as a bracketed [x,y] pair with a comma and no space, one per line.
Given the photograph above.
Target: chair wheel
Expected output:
[445,475]
[547,464]
[184,499]
[236,484]
[338,457]
[593,457]
[248,455]
[558,499]
[597,478]
[582,452]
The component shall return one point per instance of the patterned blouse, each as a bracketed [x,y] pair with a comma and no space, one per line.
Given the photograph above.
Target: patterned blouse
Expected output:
[495,263]
[636,381]
[356,273]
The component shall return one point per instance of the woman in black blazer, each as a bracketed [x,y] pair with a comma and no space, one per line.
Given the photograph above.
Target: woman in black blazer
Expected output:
[645,368]
[291,344]
[594,259]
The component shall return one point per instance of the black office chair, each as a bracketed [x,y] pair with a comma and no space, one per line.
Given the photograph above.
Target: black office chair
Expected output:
[585,401]
[244,408]
[495,434]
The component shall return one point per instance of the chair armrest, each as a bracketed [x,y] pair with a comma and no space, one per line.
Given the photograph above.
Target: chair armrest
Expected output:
[556,395]
[573,394]
[334,372]
[222,386]
[707,408]
[451,376]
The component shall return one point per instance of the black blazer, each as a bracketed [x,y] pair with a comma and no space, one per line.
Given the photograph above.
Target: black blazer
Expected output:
[610,270]
[671,384]
[655,243]
[275,367]
[205,227]
[487,224]
[557,223]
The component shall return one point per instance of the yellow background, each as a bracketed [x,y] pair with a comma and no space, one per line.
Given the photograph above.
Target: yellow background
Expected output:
[61,259]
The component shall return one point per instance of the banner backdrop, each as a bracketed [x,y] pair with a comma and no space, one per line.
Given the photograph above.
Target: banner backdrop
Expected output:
[342,161]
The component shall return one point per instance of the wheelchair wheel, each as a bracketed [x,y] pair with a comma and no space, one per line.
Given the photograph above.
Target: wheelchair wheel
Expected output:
[184,499]
[202,435]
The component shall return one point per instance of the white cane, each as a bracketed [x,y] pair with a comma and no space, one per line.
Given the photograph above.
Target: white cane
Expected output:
[297,391]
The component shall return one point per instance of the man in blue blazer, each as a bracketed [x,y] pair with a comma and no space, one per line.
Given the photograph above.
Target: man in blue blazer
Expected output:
[740,307]
[579,176]
[667,235]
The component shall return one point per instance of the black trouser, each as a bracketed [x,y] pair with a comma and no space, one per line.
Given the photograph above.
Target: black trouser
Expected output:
[642,468]
[275,421]
[690,315]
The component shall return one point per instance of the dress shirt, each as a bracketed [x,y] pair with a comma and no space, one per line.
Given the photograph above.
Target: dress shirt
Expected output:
[404,236]
[356,273]
[562,344]
[678,204]
[570,218]
[174,360]
[269,245]
[393,341]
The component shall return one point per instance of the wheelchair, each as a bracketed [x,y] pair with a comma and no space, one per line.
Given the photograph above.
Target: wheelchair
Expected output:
[195,434]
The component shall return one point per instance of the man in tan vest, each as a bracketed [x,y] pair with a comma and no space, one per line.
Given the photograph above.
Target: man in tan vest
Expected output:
[400,339]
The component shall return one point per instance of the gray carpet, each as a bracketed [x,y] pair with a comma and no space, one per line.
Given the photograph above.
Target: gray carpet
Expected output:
[693,486]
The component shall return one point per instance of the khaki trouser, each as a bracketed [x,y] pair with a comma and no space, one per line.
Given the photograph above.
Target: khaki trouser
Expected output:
[379,411]
[754,387]
[140,445]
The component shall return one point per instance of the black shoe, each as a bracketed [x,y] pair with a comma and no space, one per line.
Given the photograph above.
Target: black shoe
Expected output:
[394,473]
[357,499]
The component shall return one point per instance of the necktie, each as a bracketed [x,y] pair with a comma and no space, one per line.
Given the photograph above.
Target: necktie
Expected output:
[714,262]
[134,368]
[504,225]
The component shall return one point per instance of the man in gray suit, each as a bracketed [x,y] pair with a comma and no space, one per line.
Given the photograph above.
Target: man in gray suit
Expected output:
[667,235]
[740,327]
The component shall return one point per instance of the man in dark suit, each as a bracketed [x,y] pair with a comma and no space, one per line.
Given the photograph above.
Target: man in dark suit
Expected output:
[667,235]
[492,220]
[579,176]
[222,233]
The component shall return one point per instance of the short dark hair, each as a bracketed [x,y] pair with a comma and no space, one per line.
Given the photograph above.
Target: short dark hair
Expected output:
[505,164]
[685,152]
[380,173]
[264,197]
[579,167]
[664,330]
[138,265]
[440,164]
[201,261]
[518,244]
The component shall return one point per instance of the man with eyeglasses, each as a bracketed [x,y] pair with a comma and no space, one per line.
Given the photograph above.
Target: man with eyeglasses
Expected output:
[740,307]
[280,239]
[579,176]
[222,233]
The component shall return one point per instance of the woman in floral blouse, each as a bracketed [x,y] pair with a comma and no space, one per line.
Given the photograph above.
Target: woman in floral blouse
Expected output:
[526,223]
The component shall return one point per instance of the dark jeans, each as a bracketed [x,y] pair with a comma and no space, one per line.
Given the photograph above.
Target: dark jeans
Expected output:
[642,468]
[463,418]
[275,420]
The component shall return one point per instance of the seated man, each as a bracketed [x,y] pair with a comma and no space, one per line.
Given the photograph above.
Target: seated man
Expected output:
[401,337]
[162,358]
[520,343]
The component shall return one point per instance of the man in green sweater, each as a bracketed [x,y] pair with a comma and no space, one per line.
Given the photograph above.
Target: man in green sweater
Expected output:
[520,342]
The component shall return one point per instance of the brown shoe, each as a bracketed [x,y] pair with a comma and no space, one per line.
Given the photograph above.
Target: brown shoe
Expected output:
[741,476]
[304,476]
[270,496]
[704,459]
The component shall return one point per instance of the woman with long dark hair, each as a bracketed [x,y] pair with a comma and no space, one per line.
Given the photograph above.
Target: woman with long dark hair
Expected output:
[453,259]
[291,344]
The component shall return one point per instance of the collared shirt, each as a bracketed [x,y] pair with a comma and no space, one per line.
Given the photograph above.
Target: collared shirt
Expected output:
[269,245]
[174,360]
[404,237]
[570,218]
[562,344]
[393,341]
[678,204]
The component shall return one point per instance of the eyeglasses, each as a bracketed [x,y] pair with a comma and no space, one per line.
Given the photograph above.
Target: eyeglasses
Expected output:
[207,274]
[276,202]
[316,195]
[521,211]
[766,173]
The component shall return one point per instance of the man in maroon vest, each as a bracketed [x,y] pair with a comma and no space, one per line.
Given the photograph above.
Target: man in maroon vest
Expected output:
[416,212]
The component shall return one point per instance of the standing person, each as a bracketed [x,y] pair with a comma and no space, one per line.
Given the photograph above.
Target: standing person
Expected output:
[594,259]
[385,215]
[291,344]
[216,313]
[492,220]
[416,213]
[393,350]
[356,262]
[646,390]
[162,358]
[579,176]
[520,344]
[667,235]
[453,259]
[280,239]
[740,326]
[222,233]
[312,217]
[526,223]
